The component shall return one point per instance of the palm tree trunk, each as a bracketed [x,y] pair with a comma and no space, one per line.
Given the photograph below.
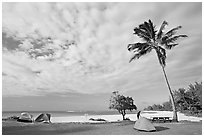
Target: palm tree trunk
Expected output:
[175,117]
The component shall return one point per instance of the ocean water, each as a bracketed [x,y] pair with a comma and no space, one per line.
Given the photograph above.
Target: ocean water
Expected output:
[36,113]
[62,113]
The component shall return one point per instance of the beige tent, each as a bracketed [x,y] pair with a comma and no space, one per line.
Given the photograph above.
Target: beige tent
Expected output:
[25,117]
[144,124]
[45,118]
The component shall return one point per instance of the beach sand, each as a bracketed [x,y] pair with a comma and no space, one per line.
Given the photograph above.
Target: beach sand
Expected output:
[111,128]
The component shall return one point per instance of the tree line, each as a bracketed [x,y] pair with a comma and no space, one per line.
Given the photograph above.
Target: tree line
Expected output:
[188,101]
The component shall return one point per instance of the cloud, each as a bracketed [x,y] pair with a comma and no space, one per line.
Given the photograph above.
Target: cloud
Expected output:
[82,47]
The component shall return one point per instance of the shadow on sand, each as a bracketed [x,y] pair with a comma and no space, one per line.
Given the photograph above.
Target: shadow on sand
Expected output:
[159,128]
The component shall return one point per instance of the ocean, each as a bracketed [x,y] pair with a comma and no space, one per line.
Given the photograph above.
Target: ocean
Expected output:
[62,113]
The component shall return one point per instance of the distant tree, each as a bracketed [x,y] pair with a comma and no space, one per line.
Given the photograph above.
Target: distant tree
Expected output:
[195,92]
[157,107]
[149,108]
[121,103]
[158,41]
[167,106]
[189,100]
[181,99]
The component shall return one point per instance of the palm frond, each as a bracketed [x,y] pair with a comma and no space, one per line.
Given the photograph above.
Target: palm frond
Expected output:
[161,54]
[159,34]
[152,29]
[137,46]
[148,28]
[133,57]
[145,26]
[170,46]
[163,51]
[170,40]
[172,31]
[141,53]
[142,34]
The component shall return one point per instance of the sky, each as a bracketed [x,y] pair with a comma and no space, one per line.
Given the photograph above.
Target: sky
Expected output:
[72,56]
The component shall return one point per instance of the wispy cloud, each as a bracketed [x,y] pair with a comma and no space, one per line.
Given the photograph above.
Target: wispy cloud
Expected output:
[81,47]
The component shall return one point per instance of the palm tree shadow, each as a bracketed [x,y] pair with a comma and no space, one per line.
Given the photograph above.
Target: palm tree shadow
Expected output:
[159,128]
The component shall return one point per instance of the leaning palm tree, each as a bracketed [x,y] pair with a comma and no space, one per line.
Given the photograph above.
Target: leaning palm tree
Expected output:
[159,42]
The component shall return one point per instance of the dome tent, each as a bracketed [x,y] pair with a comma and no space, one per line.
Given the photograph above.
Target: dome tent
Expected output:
[25,117]
[143,124]
[45,118]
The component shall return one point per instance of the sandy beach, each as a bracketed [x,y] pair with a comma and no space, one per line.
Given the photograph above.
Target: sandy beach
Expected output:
[110,128]
[118,117]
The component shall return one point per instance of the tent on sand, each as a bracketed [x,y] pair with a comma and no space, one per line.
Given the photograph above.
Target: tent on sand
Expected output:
[25,117]
[143,124]
[45,118]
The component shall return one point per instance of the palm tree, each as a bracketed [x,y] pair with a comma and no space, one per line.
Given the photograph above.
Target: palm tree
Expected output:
[159,42]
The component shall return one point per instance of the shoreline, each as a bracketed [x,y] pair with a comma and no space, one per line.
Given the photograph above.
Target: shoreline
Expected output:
[117,117]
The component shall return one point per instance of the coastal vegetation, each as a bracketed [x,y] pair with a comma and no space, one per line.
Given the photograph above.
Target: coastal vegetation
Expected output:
[159,41]
[188,101]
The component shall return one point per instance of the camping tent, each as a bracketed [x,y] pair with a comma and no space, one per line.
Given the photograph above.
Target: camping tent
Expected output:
[45,118]
[25,117]
[144,124]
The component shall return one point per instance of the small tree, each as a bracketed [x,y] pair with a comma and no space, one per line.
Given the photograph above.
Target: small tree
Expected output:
[121,103]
